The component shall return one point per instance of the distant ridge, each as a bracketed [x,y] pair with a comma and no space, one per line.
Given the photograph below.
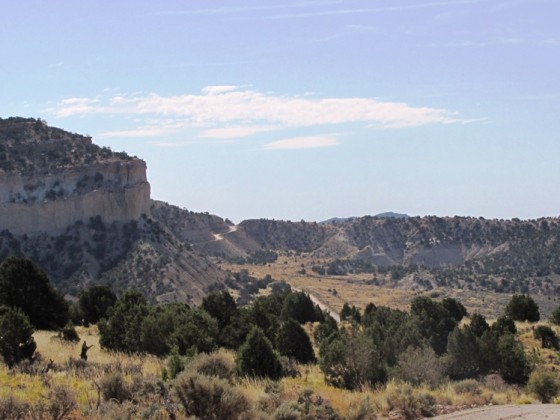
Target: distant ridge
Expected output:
[392,215]
[385,215]
[337,220]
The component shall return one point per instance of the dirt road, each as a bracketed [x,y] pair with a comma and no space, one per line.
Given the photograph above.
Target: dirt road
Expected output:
[509,412]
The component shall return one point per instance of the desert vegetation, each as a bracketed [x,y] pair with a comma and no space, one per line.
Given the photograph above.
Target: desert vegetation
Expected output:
[278,357]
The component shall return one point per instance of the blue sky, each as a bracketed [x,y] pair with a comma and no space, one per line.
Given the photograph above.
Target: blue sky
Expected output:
[305,109]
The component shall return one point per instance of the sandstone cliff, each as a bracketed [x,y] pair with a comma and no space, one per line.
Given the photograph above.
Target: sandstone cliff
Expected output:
[50,179]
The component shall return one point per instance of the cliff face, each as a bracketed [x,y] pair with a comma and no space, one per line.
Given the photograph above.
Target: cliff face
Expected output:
[82,212]
[50,179]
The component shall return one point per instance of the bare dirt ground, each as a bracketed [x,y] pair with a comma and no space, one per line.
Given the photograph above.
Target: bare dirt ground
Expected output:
[509,412]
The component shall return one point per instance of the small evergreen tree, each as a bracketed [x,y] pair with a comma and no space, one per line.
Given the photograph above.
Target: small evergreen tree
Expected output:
[504,325]
[95,302]
[325,328]
[299,306]
[16,336]
[350,359]
[522,308]
[257,358]
[464,354]
[455,308]
[478,325]
[514,366]
[436,320]
[195,331]
[24,285]
[120,330]
[292,341]
[158,326]
[221,306]
[350,313]
[235,333]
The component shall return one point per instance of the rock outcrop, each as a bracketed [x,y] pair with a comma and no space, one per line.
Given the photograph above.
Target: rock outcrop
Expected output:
[50,179]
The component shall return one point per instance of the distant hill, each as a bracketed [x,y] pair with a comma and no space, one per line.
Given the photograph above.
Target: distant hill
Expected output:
[459,252]
[391,215]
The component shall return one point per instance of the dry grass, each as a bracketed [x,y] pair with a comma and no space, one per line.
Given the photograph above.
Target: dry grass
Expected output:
[394,397]
[355,290]
[52,348]
[35,388]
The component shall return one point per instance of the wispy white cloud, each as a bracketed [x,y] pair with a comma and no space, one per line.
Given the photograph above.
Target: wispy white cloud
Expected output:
[217,107]
[381,9]
[505,41]
[227,113]
[138,132]
[308,142]
[212,11]
[236,132]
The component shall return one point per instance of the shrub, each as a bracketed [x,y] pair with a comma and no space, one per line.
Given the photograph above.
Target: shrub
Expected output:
[59,404]
[316,407]
[495,383]
[16,339]
[544,385]
[350,360]
[175,365]
[504,325]
[555,316]
[68,333]
[217,364]
[209,397]
[308,406]
[402,399]
[195,330]
[114,387]
[467,386]
[421,365]
[12,408]
[363,410]
[289,367]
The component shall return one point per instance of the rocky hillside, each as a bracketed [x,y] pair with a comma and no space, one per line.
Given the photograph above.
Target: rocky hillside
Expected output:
[82,212]
[420,252]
